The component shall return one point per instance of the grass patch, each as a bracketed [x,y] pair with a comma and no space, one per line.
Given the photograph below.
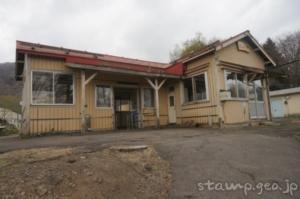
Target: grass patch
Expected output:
[296,116]
[9,130]
[10,102]
[297,136]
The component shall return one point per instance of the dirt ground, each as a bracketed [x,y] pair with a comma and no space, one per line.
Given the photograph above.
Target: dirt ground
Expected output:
[259,154]
[80,173]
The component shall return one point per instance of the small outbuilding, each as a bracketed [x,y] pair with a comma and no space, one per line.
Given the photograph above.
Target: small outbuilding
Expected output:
[285,102]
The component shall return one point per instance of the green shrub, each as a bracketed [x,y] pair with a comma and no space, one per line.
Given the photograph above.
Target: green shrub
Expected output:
[9,130]
[298,136]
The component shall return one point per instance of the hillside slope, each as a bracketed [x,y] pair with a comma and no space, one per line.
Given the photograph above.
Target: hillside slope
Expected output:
[8,84]
[10,89]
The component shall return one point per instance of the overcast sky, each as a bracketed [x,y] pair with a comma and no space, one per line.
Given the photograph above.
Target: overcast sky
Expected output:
[136,28]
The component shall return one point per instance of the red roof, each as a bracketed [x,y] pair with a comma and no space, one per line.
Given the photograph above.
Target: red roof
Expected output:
[95,59]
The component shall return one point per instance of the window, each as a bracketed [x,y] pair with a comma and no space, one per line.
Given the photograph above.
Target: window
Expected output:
[63,89]
[200,87]
[52,88]
[231,83]
[171,101]
[236,84]
[258,90]
[241,85]
[195,88]
[188,90]
[103,96]
[148,97]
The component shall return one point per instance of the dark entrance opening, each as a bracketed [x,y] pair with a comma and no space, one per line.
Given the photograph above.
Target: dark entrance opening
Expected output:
[126,108]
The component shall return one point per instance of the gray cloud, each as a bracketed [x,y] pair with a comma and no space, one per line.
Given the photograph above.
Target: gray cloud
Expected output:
[139,29]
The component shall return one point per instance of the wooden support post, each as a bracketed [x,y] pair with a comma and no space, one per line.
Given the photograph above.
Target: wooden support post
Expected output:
[156,86]
[84,82]
[83,103]
[157,104]
[268,96]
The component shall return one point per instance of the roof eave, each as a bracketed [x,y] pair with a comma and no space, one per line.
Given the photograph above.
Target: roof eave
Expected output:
[107,69]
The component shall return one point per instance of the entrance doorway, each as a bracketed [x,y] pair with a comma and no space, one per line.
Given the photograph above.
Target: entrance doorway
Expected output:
[256,100]
[126,108]
[171,106]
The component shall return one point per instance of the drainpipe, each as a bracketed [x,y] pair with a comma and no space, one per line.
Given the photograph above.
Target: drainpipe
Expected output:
[268,96]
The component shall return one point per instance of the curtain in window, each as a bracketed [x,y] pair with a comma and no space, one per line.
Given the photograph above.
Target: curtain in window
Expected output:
[241,85]
[231,83]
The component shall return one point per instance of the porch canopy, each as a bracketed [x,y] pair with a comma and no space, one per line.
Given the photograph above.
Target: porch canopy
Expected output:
[155,78]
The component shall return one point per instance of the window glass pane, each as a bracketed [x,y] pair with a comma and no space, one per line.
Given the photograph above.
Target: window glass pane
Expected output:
[259,91]
[231,83]
[241,86]
[171,101]
[148,97]
[251,91]
[42,88]
[63,87]
[188,90]
[103,96]
[200,87]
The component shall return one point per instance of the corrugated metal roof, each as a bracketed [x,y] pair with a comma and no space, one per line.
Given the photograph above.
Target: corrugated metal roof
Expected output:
[96,59]
[21,45]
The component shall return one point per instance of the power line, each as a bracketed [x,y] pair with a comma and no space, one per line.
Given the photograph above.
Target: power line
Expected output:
[287,63]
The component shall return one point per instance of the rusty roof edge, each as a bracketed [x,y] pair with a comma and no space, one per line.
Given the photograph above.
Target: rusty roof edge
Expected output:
[146,62]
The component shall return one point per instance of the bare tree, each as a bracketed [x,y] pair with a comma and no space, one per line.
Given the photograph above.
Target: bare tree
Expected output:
[285,51]
[289,47]
[187,47]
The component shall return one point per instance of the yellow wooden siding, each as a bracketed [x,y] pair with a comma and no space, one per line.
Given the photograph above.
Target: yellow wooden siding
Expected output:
[200,112]
[233,55]
[236,111]
[67,118]
[149,114]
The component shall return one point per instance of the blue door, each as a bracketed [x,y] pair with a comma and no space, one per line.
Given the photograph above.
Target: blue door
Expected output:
[277,108]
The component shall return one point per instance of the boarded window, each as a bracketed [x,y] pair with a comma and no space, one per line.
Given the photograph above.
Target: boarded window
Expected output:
[200,86]
[148,97]
[103,96]
[188,90]
[52,88]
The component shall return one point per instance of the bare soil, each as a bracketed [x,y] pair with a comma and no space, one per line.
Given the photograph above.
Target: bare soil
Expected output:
[82,173]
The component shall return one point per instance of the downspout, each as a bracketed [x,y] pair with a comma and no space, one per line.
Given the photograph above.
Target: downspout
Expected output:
[268,96]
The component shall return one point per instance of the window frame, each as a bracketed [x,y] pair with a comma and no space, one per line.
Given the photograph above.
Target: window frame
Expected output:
[206,87]
[194,88]
[143,94]
[236,85]
[53,88]
[184,93]
[111,96]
